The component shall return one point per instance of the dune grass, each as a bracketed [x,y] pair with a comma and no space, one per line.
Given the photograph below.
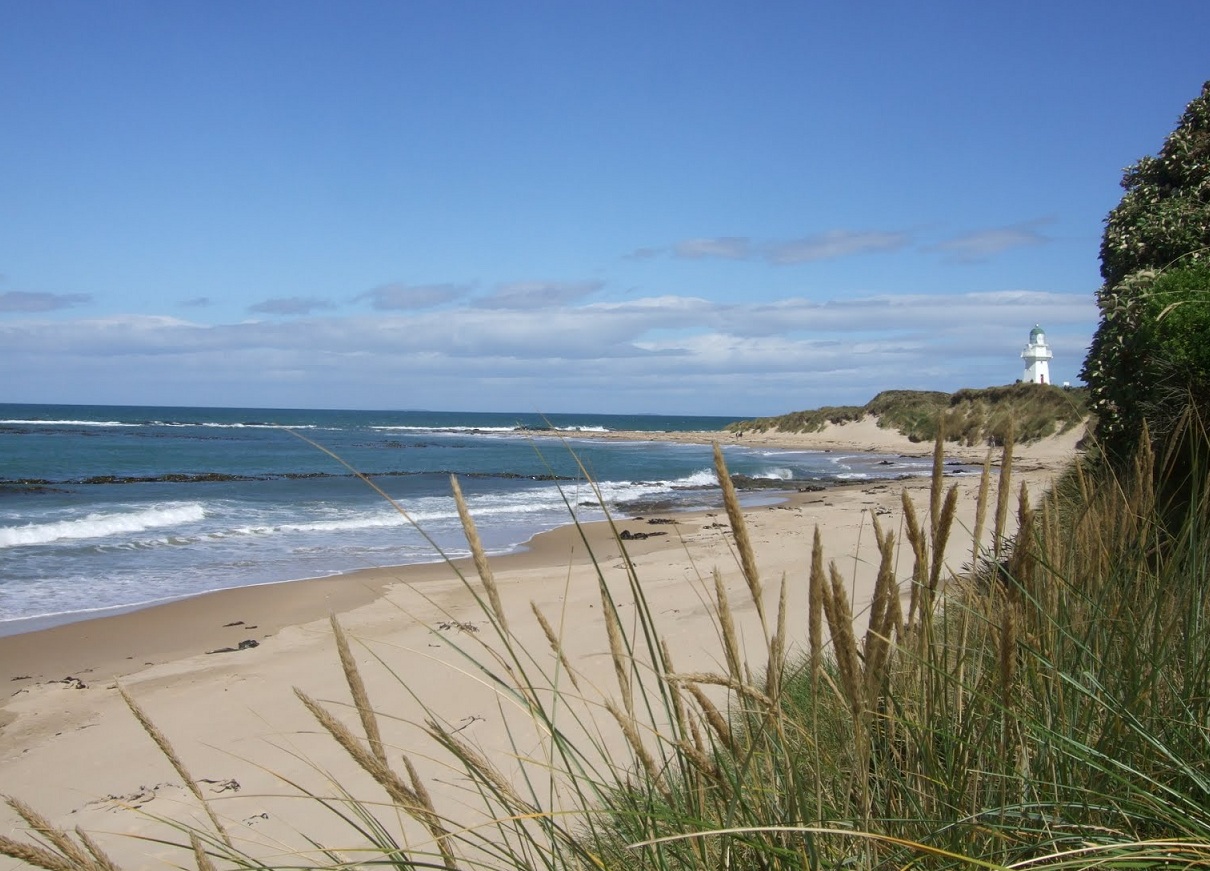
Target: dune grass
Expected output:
[969,416]
[1047,707]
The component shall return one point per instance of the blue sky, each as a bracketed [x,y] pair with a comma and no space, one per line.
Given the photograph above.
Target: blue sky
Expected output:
[714,208]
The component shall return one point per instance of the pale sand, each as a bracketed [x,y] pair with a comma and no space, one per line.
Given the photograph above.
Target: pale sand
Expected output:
[78,756]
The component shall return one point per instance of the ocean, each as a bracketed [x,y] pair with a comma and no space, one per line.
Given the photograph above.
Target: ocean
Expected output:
[106,508]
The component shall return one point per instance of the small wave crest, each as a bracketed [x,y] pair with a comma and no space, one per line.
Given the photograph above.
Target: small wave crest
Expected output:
[221,425]
[448,429]
[382,520]
[106,423]
[101,525]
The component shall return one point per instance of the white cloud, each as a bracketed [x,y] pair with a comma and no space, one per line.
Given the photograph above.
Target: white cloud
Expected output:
[650,354]
[938,314]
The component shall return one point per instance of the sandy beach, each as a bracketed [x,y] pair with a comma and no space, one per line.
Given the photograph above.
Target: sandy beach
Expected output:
[217,672]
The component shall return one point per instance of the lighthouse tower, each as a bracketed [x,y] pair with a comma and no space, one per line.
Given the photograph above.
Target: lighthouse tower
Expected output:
[1037,356]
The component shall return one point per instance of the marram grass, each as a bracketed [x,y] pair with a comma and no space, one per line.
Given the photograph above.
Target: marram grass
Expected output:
[1047,708]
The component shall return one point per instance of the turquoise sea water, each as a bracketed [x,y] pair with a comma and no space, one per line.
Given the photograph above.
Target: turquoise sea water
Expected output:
[105,508]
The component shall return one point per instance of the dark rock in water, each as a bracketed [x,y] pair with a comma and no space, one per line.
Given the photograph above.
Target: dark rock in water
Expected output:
[745,482]
[886,463]
[25,487]
[649,503]
[812,488]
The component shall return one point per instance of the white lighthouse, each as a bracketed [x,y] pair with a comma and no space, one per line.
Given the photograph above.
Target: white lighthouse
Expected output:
[1037,356]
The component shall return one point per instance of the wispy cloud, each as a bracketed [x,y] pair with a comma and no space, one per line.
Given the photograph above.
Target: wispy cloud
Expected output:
[933,314]
[836,243]
[985,244]
[290,305]
[398,296]
[196,302]
[725,247]
[527,295]
[24,301]
[819,246]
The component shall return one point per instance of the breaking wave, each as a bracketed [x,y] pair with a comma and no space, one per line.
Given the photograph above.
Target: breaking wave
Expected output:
[101,525]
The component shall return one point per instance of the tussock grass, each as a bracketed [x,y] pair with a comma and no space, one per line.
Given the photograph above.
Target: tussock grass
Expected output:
[1046,709]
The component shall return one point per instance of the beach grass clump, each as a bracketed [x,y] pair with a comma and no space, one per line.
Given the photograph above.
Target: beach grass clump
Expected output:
[1045,707]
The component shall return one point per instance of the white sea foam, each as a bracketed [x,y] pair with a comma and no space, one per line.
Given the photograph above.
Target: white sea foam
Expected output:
[67,423]
[168,423]
[782,453]
[220,425]
[700,478]
[383,520]
[450,429]
[101,524]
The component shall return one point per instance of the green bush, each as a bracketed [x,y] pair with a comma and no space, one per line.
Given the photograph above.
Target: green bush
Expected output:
[1174,343]
[1161,227]
[1150,361]
[1164,216]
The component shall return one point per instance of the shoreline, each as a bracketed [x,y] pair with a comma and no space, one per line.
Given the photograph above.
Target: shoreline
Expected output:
[72,750]
[118,645]
[53,621]
[126,642]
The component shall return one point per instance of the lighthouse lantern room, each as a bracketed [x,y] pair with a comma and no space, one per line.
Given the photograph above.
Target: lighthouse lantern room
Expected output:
[1037,358]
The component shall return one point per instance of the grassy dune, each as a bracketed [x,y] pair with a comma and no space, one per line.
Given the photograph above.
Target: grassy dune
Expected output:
[970,417]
